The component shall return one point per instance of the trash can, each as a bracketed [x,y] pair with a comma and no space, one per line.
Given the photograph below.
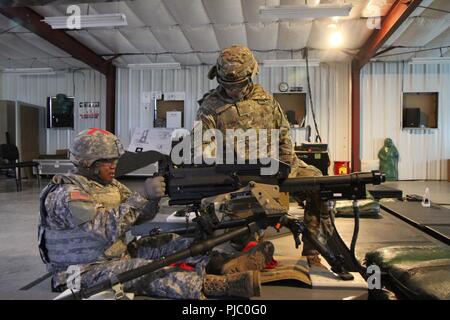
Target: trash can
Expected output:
[341,167]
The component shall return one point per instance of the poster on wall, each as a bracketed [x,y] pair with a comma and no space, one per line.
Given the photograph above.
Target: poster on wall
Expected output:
[173,119]
[89,110]
[145,139]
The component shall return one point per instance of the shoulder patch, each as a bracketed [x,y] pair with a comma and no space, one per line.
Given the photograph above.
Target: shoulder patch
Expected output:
[79,196]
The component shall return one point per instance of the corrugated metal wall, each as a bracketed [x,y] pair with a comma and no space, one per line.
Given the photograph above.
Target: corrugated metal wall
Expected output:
[423,153]
[84,85]
[330,86]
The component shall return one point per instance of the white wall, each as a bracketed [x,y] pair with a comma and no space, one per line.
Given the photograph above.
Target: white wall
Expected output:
[330,87]
[423,154]
[84,85]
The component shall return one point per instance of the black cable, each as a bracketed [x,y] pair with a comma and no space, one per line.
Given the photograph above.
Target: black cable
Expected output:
[355,237]
[318,138]
[434,9]
[415,51]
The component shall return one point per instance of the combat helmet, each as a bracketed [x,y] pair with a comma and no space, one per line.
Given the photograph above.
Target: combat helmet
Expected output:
[94,144]
[235,65]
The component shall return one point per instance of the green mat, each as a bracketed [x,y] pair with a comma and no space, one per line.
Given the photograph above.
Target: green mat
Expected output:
[419,272]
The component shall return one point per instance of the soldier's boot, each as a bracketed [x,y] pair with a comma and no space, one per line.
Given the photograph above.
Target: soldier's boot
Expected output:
[315,261]
[311,254]
[254,259]
[336,261]
[243,285]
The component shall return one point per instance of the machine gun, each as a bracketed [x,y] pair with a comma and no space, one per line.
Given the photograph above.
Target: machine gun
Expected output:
[204,186]
[189,184]
[262,201]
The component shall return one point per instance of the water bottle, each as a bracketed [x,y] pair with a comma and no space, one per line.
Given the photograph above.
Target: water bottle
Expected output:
[426,199]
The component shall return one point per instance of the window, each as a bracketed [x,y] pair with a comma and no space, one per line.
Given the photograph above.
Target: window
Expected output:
[293,106]
[60,111]
[420,109]
[170,108]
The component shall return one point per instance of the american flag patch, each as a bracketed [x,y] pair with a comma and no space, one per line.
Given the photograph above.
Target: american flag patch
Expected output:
[77,195]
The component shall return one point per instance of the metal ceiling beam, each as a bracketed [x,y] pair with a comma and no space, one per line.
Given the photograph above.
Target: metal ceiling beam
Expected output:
[397,14]
[31,20]
[22,3]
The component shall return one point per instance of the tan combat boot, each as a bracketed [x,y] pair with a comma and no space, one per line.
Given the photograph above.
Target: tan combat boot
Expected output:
[242,285]
[254,259]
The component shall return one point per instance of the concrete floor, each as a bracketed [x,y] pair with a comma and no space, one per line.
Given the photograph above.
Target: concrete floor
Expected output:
[20,262]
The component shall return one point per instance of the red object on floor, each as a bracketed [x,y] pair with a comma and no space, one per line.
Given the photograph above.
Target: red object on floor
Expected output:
[183,266]
[271,265]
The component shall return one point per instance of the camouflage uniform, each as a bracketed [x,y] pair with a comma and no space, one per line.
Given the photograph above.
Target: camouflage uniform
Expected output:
[258,110]
[83,222]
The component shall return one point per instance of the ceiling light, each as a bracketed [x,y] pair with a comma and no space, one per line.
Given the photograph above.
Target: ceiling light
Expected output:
[336,39]
[168,65]
[305,11]
[429,60]
[291,63]
[90,21]
[29,71]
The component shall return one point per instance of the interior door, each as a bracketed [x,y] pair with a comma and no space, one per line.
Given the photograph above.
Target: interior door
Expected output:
[29,135]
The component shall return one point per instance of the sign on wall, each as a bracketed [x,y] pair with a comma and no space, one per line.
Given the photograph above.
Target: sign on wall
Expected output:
[145,139]
[89,110]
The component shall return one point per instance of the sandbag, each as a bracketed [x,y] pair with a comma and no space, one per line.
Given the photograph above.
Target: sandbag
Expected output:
[419,272]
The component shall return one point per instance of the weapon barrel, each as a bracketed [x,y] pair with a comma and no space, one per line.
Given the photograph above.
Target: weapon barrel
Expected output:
[354,179]
[192,251]
[222,225]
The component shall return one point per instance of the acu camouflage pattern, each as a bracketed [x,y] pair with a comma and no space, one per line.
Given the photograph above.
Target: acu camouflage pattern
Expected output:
[116,209]
[169,282]
[94,144]
[85,221]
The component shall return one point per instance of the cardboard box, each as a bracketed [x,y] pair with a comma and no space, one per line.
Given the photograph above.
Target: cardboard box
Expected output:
[62,152]
[284,200]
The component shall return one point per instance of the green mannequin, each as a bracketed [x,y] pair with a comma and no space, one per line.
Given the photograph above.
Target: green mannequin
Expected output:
[389,156]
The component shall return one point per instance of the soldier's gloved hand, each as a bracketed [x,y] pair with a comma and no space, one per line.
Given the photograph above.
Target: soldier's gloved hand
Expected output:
[155,188]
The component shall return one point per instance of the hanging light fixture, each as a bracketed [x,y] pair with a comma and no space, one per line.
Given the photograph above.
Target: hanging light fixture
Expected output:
[335,38]
[87,21]
[29,71]
[160,66]
[305,11]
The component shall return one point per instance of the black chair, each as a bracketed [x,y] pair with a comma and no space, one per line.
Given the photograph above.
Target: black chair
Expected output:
[290,115]
[10,156]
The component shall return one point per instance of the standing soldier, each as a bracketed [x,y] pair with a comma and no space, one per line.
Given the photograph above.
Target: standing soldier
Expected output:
[238,103]
[84,217]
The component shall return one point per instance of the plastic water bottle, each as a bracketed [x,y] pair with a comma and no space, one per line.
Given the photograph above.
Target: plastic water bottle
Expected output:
[426,199]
